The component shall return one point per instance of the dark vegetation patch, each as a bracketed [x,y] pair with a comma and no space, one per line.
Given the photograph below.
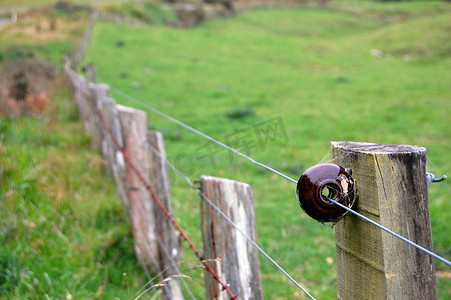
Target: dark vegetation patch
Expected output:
[120,44]
[69,7]
[27,84]
[240,113]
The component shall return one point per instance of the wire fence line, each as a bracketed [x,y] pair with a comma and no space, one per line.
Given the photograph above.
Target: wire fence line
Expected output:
[110,136]
[163,282]
[225,287]
[221,213]
[195,131]
[174,222]
[183,125]
[176,268]
[162,245]
[160,204]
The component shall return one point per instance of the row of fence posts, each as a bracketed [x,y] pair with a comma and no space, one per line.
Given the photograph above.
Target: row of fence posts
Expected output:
[371,264]
[230,255]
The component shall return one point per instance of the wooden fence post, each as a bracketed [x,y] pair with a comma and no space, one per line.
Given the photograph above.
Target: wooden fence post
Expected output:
[141,212]
[391,186]
[100,91]
[108,152]
[237,260]
[81,97]
[114,159]
[96,91]
[169,247]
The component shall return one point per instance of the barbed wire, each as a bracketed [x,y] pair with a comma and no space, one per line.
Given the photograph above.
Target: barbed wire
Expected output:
[154,262]
[176,268]
[160,204]
[160,242]
[189,128]
[147,246]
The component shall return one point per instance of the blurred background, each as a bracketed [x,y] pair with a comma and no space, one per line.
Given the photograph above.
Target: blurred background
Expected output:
[313,71]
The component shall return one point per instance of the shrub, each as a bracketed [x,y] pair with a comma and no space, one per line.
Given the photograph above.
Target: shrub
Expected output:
[240,113]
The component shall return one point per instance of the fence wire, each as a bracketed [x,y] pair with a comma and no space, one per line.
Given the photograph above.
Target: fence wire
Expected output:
[162,245]
[133,167]
[189,128]
[254,244]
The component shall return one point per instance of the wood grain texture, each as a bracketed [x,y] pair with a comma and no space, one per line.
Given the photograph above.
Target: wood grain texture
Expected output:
[100,92]
[391,187]
[234,258]
[141,212]
[114,159]
[81,97]
[107,143]
[95,92]
[169,247]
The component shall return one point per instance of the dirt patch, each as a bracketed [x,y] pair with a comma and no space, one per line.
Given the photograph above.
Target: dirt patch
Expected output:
[44,26]
[26,87]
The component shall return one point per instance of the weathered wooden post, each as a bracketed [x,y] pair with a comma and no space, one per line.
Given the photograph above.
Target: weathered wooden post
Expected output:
[96,91]
[134,131]
[392,190]
[169,247]
[100,91]
[67,74]
[114,159]
[108,152]
[235,260]
[81,97]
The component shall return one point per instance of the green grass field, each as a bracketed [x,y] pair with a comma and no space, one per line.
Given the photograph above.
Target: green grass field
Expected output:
[313,69]
[61,226]
[62,230]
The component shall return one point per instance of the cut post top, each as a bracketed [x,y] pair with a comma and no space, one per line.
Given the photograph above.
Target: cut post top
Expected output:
[370,148]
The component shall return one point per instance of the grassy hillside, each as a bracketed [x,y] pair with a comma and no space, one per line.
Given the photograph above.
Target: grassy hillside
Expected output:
[62,229]
[362,72]
[57,213]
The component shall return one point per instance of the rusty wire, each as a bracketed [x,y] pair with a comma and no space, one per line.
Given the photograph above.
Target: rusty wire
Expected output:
[189,128]
[127,159]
